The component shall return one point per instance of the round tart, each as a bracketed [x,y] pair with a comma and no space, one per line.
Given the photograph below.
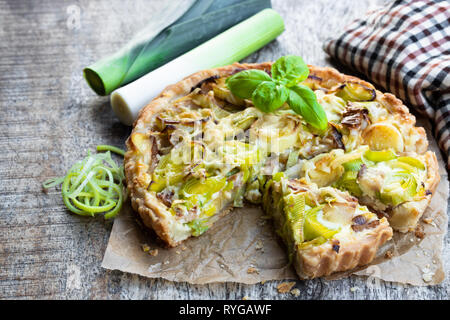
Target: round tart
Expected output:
[197,150]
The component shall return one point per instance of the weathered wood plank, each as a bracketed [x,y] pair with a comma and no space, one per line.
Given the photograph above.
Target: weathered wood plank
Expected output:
[49,118]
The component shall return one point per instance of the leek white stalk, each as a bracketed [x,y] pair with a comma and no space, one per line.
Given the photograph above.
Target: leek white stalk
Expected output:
[230,46]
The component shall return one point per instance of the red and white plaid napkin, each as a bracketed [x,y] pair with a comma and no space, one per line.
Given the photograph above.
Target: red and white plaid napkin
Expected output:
[405,48]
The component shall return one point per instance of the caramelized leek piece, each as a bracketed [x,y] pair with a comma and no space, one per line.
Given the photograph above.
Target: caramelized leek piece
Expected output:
[220,113]
[278,176]
[402,167]
[104,147]
[199,195]
[353,91]
[209,210]
[383,136]
[159,182]
[395,197]
[348,179]
[401,185]
[222,92]
[141,142]
[207,101]
[244,123]
[275,133]
[174,166]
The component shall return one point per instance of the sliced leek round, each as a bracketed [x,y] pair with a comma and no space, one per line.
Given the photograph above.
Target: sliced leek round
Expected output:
[383,136]
[354,91]
[207,187]
[313,228]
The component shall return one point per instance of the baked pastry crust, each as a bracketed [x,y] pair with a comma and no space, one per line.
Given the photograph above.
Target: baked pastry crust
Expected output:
[318,261]
[322,260]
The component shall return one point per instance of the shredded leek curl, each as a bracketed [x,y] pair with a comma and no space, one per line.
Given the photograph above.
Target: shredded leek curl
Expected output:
[93,185]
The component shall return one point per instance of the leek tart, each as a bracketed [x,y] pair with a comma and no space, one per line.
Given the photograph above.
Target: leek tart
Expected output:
[197,151]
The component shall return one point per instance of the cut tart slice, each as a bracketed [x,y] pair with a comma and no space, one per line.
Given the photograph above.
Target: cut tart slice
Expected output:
[399,185]
[190,189]
[325,229]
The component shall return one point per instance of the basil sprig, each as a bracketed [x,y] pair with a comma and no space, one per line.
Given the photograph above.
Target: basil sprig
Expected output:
[270,93]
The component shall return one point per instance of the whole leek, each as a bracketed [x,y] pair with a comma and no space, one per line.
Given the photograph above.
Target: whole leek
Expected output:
[149,50]
[230,46]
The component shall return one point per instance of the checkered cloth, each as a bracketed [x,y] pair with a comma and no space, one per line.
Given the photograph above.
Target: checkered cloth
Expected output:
[405,48]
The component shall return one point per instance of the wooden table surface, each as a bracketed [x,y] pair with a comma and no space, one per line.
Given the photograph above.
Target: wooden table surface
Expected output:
[49,118]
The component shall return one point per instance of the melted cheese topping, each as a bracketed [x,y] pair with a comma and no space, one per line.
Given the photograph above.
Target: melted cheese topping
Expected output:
[239,144]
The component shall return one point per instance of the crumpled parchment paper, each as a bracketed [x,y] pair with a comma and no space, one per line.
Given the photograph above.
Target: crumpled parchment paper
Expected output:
[243,247]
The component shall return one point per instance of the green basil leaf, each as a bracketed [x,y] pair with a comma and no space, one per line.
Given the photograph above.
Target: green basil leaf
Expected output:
[269,96]
[290,70]
[304,102]
[244,83]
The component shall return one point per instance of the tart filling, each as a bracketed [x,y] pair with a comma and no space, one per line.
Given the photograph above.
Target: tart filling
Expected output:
[397,184]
